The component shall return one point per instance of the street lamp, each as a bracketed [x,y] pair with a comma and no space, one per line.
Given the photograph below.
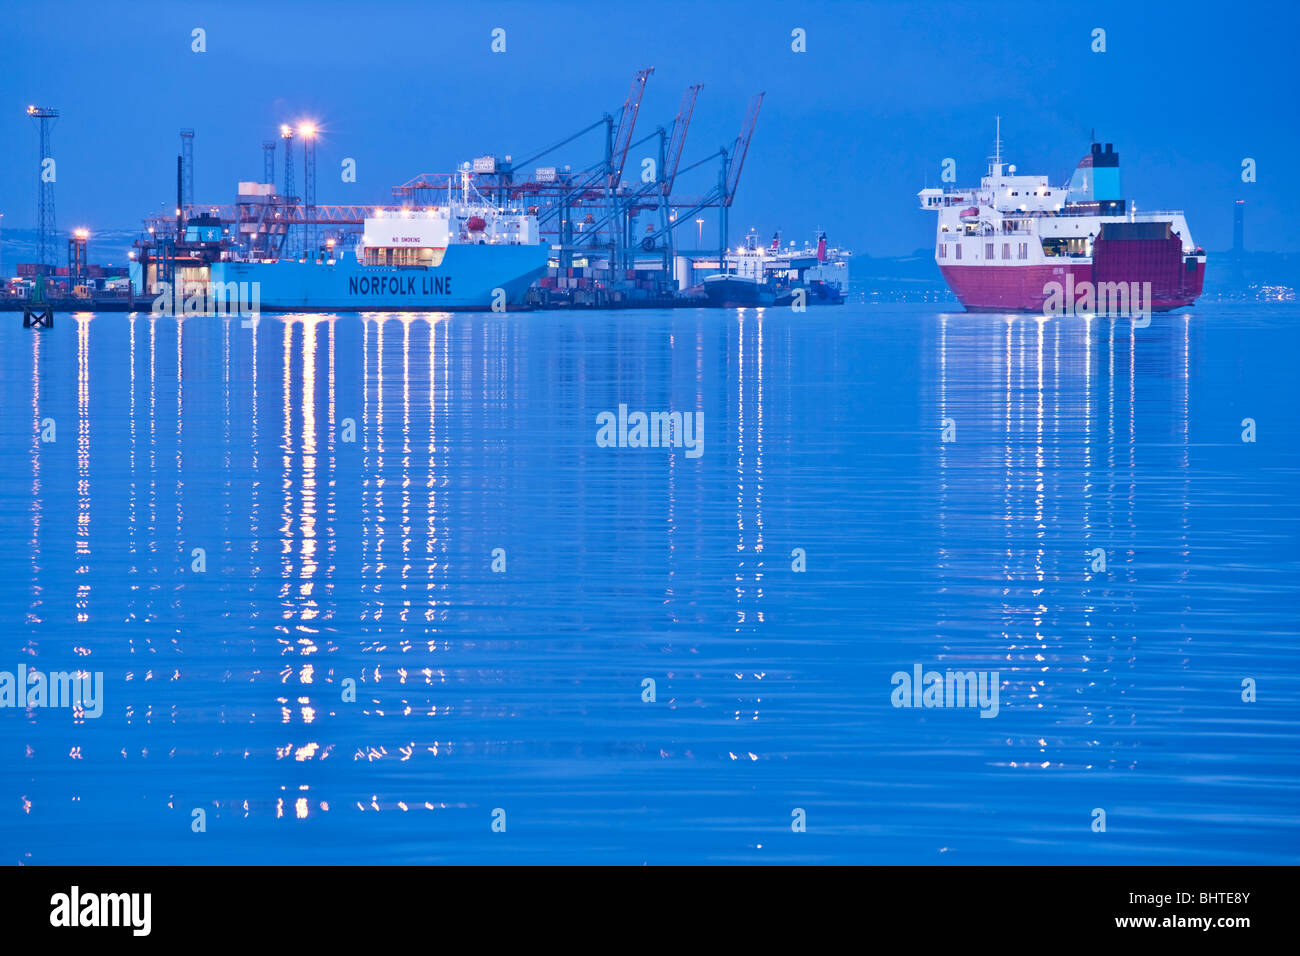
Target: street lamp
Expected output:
[700,223]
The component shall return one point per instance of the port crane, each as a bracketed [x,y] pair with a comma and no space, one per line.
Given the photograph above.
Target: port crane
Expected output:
[658,195]
[588,184]
[552,199]
[651,196]
[722,195]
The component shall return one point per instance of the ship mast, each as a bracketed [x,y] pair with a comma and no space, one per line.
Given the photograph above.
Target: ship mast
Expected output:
[997,149]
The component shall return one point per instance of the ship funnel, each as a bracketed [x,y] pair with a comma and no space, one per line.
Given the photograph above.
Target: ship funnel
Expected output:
[1105,175]
[1096,179]
[821,248]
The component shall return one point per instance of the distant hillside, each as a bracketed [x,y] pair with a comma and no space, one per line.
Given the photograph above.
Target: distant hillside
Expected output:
[105,248]
[1256,275]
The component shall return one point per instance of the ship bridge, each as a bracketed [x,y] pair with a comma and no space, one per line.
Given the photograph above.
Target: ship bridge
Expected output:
[1012,193]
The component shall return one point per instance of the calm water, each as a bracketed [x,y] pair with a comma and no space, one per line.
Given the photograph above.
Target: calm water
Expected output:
[372,560]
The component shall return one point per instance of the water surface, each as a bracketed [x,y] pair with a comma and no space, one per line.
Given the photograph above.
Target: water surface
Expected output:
[371,560]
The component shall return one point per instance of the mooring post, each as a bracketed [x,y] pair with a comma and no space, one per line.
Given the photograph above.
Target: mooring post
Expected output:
[37,313]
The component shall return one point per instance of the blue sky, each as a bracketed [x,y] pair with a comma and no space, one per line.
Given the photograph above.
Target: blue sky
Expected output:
[849,131]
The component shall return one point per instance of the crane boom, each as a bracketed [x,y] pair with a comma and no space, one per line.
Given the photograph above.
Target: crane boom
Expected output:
[677,139]
[742,147]
[626,123]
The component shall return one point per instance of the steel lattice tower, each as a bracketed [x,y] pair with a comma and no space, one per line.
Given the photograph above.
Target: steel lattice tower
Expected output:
[45,227]
[286,133]
[309,187]
[187,170]
[268,161]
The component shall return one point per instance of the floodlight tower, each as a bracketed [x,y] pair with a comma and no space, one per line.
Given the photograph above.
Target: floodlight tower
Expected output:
[45,253]
[286,134]
[308,133]
[77,258]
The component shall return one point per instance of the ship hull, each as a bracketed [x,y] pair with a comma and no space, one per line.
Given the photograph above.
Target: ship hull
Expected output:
[469,278]
[736,292]
[1176,280]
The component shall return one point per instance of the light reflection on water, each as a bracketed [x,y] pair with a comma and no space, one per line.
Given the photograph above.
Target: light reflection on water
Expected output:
[331,559]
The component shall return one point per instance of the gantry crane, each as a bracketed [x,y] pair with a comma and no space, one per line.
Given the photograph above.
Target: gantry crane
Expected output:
[724,193]
[652,196]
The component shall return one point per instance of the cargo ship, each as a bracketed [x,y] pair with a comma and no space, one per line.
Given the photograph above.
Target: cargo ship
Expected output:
[402,265]
[756,276]
[1015,242]
[464,255]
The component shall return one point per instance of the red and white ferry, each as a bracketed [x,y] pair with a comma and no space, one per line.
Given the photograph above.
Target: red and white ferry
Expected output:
[1001,247]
